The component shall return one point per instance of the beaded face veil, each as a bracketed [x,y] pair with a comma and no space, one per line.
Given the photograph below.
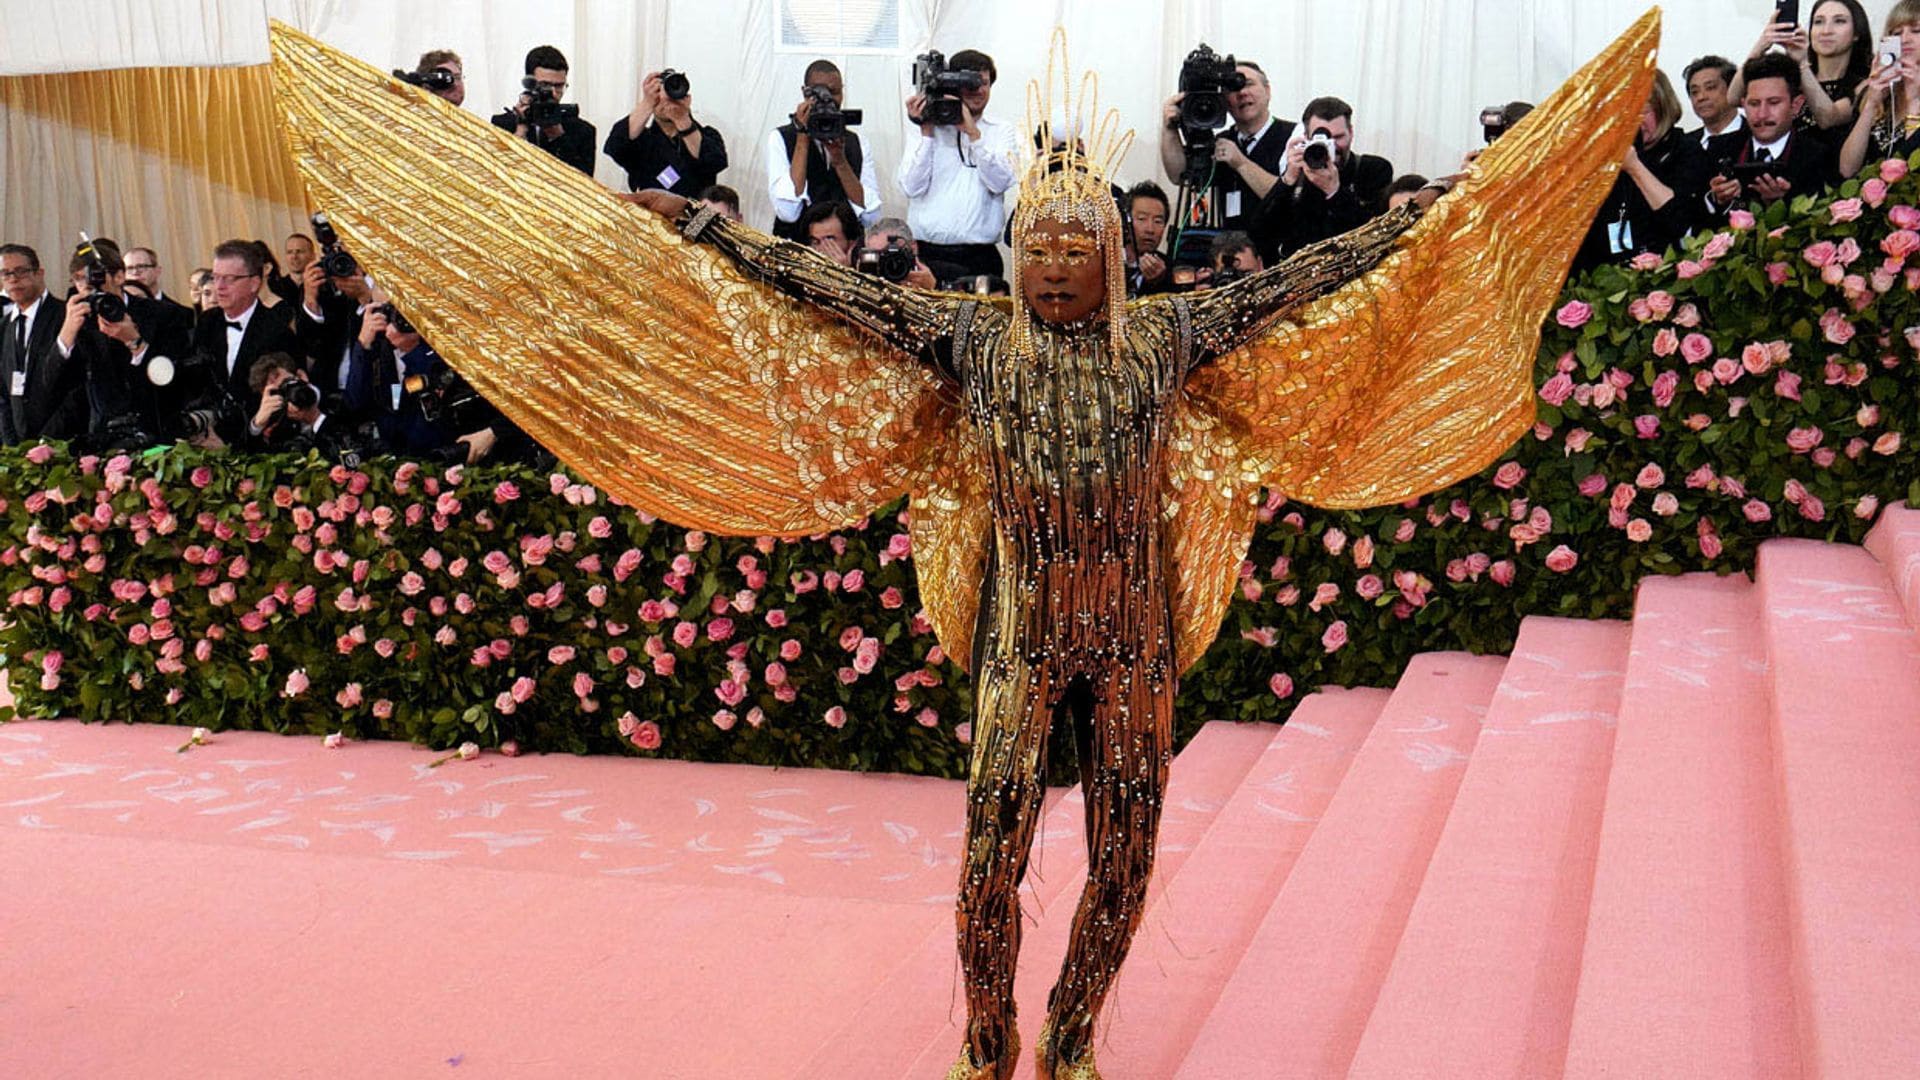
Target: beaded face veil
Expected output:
[1075,149]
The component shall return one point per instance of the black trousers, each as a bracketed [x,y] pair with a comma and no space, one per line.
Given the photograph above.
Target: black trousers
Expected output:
[950,261]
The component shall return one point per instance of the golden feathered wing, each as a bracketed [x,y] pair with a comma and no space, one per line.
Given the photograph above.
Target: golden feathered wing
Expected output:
[652,365]
[1417,374]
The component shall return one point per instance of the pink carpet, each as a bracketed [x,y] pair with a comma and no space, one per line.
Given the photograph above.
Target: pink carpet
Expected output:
[1684,846]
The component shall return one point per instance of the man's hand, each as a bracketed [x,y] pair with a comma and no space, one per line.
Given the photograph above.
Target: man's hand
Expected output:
[832,248]
[1170,112]
[77,313]
[270,406]
[479,444]
[1296,160]
[1152,267]
[800,115]
[664,203]
[124,331]
[836,150]
[920,277]
[1227,152]
[1725,190]
[1326,178]
[312,280]
[917,112]
[1471,156]
[1771,188]
[967,126]
[372,325]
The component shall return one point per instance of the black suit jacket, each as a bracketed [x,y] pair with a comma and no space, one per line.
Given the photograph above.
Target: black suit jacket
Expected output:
[1270,153]
[1809,163]
[1290,218]
[55,403]
[325,342]
[574,145]
[118,388]
[270,330]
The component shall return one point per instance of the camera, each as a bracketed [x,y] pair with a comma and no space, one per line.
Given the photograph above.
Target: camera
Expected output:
[334,257]
[826,120]
[674,85]
[395,319]
[447,400]
[1493,122]
[1888,54]
[437,80]
[102,304]
[893,262]
[942,87]
[298,394]
[1319,151]
[1206,78]
[544,108]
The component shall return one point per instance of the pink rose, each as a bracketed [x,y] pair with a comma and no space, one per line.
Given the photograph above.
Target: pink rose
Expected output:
[790,650]
[1696,348]
[1757,511]
[1725,371]
[1593,484]
[1652,476]
[1556,390]
[1813,509]
[1369,587]
[1786,384]
[1836,327]
[1509,476]
[1740,219]
[685,634]
[1638,531]
[1562,559]
[1802,440]
[1325,594]
[1281,684]
[1901,243]
[1574,315]
[1502,572]
[296,684]
[1660,302]
[836,717]
[1874,192]
[1887,444]
[1866,507]
[1646,426]
[1666,504]
[1335,636]
[1893,170]
[1334,541]
[719,629]
[1821,254]
[646,735]
[1576,440]
[1843,210]
[1664,386]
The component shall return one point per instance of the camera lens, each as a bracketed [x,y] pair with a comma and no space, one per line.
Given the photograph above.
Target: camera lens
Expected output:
[674,84]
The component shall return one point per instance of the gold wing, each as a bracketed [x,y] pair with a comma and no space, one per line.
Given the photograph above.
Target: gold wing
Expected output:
[1419,372]
[652,365]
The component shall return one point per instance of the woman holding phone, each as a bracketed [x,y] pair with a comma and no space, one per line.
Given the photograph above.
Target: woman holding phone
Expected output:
[1889,121]
[1834,51]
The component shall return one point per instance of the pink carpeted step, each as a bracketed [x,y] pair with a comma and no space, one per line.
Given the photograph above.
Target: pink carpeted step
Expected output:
[1895,541]
[1296,1001]
[911,1022]
[1685,969]
[1846,690]
[1198,924]
[1482,982]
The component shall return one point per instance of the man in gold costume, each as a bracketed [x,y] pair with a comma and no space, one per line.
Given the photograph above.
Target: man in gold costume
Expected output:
[1084,469]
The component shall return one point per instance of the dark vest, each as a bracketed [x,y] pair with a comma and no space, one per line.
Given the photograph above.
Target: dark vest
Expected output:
[822,184]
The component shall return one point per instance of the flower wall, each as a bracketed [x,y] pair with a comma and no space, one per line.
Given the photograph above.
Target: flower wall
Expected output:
[1762,382]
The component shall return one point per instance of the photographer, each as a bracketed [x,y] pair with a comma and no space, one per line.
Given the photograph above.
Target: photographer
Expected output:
[661,145]
[451,80]
[832,230]
[1772,159]
[114,337]
[1247,159]
[46,387]
[1325,188]
[957,173]
[1709,89]
[1147,210]
[438,415]
[287,415]
[333,320]
[230,336]
[891,252]
[1656,198]
[539,117]
[816,157]
[724,199]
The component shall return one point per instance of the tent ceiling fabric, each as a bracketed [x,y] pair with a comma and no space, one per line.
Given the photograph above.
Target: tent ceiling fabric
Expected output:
[1417,74]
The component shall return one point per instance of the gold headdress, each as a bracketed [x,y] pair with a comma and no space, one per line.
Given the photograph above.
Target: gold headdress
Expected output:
[1066,180]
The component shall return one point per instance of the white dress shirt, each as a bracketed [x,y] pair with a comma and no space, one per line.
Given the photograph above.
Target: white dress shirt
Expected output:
[788,204]
[1738,123]
[17,320]
[956,186]
[245,319]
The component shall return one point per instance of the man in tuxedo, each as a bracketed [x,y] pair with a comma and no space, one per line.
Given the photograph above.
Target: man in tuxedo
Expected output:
[229,338]
[1708,81]
[124,405]
[339,324]
[1772,159]
[46,391]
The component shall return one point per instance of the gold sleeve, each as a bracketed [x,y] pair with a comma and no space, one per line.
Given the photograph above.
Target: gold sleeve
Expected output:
[912,321]
[1414,374]
[653,365]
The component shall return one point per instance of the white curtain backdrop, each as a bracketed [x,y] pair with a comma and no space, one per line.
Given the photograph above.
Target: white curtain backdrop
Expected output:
[1417,73]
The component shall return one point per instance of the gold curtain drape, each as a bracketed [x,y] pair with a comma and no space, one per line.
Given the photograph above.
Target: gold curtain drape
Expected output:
[175,159]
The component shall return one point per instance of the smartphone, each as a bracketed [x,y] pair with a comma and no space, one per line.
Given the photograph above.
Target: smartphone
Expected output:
[1748,172]
[1889,55]
[1787,11]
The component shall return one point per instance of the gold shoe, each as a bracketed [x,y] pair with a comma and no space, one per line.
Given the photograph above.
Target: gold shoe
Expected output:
[1048,1066]
[965,1069]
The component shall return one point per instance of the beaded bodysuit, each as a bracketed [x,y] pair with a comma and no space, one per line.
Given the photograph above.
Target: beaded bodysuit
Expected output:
[1082,496]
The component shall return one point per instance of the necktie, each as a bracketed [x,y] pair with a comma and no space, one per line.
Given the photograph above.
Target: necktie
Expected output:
[1763,155]
[20,337]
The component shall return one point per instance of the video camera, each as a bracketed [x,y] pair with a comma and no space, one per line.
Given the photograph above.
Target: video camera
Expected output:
[1206,78]
[942,87]
[544,108]
[436,80]
[674,85]
[893,262]
[826,120]
[334,256]
[102,304]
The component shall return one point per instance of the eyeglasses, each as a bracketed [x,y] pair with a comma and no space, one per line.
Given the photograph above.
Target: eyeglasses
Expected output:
[229,279]
[18,272]
[143,266]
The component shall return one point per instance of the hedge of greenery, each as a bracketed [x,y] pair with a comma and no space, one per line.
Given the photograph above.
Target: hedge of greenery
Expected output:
[1760,383]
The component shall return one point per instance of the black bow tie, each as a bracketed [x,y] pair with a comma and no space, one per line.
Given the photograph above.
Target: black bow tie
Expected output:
[231,325]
